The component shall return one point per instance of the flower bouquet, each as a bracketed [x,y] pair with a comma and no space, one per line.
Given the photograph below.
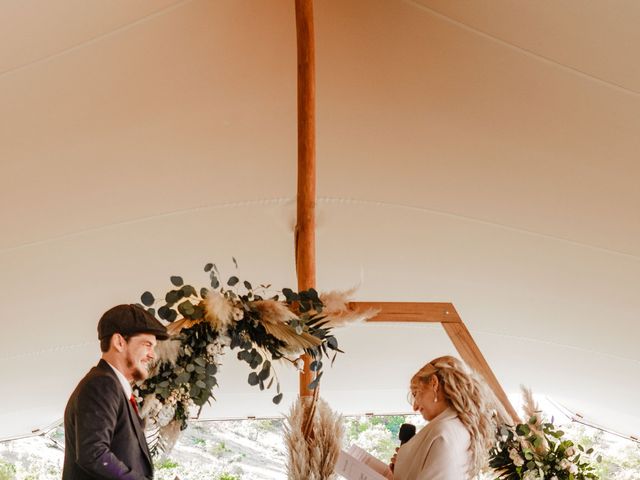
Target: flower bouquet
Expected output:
[537,450]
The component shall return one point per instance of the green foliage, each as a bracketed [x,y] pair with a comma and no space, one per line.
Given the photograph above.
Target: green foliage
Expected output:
[7,471]
[190,379]
[228,476]
[540,449]
[167,464]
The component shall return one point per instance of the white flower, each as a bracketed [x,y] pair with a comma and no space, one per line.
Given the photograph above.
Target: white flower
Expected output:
[570,451]
[531,475]
[150,406]
[237,313]
[515,456]
[554,478]
[569,466]
[212,349]
[299,364]
[166,415]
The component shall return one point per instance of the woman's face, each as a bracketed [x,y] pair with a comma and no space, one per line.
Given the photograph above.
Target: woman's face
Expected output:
[423,395]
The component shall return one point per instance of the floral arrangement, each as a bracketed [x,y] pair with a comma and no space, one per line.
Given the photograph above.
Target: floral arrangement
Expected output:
[536,450]
[313,457]
[204,323]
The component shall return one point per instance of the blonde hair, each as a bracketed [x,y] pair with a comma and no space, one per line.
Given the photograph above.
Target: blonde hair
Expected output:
[472,401]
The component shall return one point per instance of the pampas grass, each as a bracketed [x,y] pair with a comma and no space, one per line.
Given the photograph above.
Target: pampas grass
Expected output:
[532,412]
[313,457]
[218,311]
[168,350]
[337,311]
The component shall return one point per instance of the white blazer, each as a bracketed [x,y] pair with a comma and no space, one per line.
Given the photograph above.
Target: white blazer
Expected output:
[440,451]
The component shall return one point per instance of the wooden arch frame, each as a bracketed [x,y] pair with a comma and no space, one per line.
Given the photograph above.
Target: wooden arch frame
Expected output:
[447,316]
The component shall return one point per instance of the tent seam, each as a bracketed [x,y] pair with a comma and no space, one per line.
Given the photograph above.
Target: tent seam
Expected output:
[518,48]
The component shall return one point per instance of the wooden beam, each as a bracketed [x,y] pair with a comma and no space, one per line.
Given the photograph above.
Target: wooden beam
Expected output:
[447,315]
[305,247]
[409,311]
[470,353]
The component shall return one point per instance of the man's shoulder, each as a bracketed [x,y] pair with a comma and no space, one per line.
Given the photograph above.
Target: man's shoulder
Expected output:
[100,378]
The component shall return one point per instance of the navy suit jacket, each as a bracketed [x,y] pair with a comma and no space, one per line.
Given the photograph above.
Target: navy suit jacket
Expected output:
[104,437]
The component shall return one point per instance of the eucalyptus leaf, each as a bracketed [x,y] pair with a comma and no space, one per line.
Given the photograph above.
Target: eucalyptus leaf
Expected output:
[253,379]
[163,312]
[208,267]
[186,308]
[332,343]
[232,281]
[277,399]
[172,297]
[176,280]
[188,290]
[147,299]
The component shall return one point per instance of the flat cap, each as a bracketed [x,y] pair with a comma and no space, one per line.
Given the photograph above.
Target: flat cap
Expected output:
[130,320]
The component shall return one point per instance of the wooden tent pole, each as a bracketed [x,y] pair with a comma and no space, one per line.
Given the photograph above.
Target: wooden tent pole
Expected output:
[305,244]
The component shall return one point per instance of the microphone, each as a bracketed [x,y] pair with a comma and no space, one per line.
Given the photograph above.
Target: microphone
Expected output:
[406,433]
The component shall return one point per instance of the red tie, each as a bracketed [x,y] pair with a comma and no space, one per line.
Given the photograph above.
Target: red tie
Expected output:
[133,403]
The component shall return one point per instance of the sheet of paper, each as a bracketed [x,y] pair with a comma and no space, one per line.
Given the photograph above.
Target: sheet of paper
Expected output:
[357,464]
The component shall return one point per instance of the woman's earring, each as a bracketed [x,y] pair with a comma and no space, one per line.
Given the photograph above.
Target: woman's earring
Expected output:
[435,396]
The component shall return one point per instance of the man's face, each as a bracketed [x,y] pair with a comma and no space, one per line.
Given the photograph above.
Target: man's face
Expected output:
[139,354]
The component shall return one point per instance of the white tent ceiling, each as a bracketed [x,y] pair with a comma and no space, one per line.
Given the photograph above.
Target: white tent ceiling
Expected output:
[483,153]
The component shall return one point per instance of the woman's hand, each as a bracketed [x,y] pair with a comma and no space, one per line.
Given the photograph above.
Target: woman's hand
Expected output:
[392,464]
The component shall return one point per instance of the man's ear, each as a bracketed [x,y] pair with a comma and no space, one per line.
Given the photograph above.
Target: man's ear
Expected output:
[117,342]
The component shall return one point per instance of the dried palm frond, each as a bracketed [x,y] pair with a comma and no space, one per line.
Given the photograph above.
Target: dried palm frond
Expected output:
[295,342]
[337,311]
[275,317]
[169,436]
[273,312]
[161,440]
[218,310]
[174,328]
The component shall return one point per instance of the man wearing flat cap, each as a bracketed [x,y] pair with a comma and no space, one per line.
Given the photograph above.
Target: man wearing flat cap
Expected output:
[104,435]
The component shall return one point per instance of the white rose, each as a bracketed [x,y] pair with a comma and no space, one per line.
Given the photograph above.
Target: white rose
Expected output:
[570,451]
[531,475]
[564,464]
[573,468]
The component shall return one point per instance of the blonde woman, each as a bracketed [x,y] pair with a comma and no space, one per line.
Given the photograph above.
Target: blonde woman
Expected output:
[461,429]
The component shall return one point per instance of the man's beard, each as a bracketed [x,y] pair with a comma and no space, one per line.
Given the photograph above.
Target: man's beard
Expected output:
[137,373]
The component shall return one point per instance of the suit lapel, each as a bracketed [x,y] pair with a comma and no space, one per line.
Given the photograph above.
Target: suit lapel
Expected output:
[133,416]
[137,426]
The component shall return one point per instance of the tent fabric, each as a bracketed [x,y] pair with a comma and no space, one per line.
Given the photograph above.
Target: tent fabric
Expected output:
[481,153]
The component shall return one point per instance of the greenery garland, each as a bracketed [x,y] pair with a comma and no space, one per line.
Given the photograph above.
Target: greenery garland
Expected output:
[204,323]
